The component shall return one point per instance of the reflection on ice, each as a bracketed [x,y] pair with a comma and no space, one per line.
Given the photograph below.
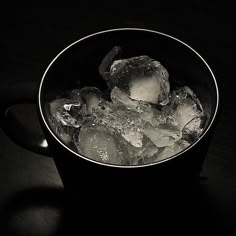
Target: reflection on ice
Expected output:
[163,135]
[143,155]
[173,149]
[96,142]
[188,107]
[122,121]
[60,111]
[121,98]
[142,78]
[64,119]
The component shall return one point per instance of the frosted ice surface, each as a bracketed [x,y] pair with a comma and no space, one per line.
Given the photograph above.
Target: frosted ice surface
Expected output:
[121,98]
[65,133]
[60,110]
[121,120]
[168,115]
[91,96]
[163,135]
[144,109]
[187,107]
[139,155]
[185,113]
[173,149]
[152,116]
[124,127]
[96,142]
[142,78]
[65,115]
[193,129]
[68,114]
[193,126]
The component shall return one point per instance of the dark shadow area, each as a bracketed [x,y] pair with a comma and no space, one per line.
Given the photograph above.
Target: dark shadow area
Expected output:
[183,210]
[55,211]
[34,211]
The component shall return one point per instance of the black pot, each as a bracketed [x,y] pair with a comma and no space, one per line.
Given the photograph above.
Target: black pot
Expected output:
[78,64]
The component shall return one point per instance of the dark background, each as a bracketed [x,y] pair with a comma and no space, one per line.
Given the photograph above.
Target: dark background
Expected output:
[31,192]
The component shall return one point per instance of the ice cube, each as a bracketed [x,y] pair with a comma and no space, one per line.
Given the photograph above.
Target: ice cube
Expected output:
[122,120]
[145,89]
[173,149]
[65,116]
[149,152]
[143,78]
[140,155]
[184,107]
[64,133]
[119,97]
[152,116]
[183,94]
[185,113]
[163,135]
[96,142]
[91,96]
[193,129]
[145,110]
[60,110]
[168,115]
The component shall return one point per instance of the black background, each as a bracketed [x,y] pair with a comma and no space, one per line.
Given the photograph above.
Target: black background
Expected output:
[31,192]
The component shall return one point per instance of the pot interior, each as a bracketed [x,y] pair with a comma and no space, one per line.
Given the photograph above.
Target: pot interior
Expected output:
[78,65]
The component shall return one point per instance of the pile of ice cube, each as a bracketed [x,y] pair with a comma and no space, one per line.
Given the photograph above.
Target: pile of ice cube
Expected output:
[142,122]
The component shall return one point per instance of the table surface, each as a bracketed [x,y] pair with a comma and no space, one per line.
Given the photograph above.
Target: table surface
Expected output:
[31,191]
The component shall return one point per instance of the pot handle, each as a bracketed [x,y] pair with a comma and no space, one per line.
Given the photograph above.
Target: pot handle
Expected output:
[18,116]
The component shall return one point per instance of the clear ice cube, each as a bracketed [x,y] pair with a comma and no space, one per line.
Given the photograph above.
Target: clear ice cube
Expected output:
[193,129]
[149,153]
[193,126]
[163,135]
[187,107]
[146,112]
[141,155]
[76,109]
[152,116]
[143,78]
[126,131]
[185,113]
[168,115]
[91,96]
[173,149]
[123,121]
[96,142]
[61,110]
[119,97]
[65,133]
[65,116]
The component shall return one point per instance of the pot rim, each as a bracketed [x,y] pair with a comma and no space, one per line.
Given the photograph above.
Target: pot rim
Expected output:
[127,29]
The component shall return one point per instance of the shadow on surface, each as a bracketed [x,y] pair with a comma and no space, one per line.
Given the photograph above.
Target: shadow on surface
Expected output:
[169,209]
[54,211]
[34,211]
